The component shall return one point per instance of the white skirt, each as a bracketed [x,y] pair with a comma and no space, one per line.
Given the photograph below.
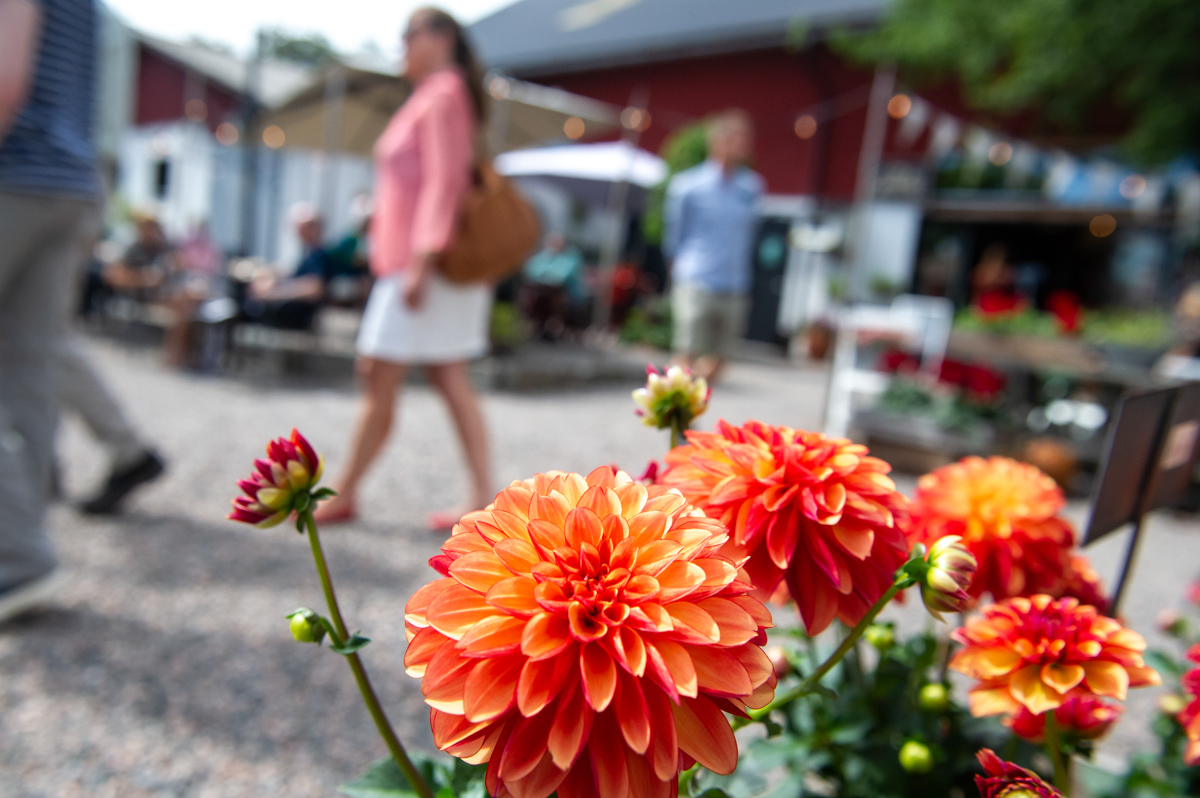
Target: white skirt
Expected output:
[450,326]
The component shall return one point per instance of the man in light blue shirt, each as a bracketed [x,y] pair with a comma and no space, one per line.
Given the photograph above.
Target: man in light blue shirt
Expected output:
[709,221]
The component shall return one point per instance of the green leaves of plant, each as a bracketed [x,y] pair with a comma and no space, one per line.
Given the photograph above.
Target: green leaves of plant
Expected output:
[449,778]
[352,644]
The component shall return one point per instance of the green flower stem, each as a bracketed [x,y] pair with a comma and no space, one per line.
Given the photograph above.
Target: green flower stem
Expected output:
[1062,777]
[360,674]
[677,430]
[812,679]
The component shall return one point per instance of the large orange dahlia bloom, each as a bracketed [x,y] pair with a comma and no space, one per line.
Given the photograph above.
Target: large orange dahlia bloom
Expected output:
[586,638]
[1006,512]
[1033,652]
[816,516]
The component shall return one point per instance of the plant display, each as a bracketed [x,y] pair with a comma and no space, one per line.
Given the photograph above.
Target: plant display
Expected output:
[604,637]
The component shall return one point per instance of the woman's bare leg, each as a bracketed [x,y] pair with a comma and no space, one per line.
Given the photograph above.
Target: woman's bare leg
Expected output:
[453,381]
[381,382]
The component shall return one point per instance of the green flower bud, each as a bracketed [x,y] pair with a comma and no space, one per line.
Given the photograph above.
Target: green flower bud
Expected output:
[306,626]
[916,757]
[880,635]
[934,697]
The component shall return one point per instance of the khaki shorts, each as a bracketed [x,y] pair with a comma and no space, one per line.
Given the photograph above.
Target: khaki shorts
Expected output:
[707,322]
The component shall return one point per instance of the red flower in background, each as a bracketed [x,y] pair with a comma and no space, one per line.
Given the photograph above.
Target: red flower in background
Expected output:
[817,517]
[1067,311]
[586,639]
[982,382]
[1082,716]
[1006,512]
[1006,780]
[995,303]
[1189,718]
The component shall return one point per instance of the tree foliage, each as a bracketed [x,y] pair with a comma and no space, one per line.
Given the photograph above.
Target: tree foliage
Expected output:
[311,49]
[1066,59]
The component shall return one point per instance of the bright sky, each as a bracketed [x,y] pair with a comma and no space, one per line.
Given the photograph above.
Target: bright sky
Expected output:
[346,23]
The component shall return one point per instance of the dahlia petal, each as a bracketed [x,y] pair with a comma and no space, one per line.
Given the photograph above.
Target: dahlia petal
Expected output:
[545,635]
[572,724]
[782,535]
[644,783]
[599,674]
[756,609]
[546,537]
[718,573]
[479,570]
[705,735]
[857,542]
[456,609]
[1027,687]
[1127,638]
[515,499]
[608,758]
[678,580]
[517,554]
[763,694]
[719,672]
[632,497]
[632,713]
[552,509]
[515,596]
[1106,678]
[445,679]
[584,626]
[493,636]
[692,624]
[647,526]
[540,682]
[650,617]
[541,782]
[583,526]
[678,666]
[630,650]
[491,688]
[1143,676]
[639,588]
[1062,677]
[667,502]
[424,644]
[525,747]
[450,729]
[984,701]
[415,611]
[734,624]
[579,781]
[601,500]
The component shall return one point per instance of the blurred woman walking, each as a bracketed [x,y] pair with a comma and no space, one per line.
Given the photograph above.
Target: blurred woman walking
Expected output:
[423,166]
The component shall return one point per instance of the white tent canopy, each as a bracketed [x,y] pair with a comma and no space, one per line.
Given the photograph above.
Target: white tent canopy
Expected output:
[609,162]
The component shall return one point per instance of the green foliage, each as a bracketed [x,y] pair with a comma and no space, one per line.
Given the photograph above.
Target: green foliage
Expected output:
[847,744]
[507,328]
[1145,329]
[683,149]
[311,49]
[650,323]
[447,777]
[950,410]
[1026,322]
[1069,60]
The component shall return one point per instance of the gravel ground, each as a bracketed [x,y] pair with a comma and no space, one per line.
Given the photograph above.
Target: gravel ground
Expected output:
[167,668]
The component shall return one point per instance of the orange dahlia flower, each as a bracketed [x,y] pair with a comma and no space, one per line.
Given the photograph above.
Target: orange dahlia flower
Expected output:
[1082,716]
[816,516]
[1005,780]
[1189,718]
[1006,512]
[1032,652]
[586,638]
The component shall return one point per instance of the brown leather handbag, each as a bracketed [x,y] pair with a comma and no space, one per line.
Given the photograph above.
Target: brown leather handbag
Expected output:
[497,231]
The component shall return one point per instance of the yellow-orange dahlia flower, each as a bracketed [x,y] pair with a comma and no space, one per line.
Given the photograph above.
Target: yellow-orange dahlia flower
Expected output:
[1033,652]
[586,638]
[1082,716]
[1006,512]
[816,516]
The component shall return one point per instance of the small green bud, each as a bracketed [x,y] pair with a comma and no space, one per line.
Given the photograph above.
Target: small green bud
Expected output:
[880,635]
[306,626]
[934,697]
[916,757]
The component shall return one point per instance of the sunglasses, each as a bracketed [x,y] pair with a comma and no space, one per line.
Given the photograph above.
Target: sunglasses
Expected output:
[412,33]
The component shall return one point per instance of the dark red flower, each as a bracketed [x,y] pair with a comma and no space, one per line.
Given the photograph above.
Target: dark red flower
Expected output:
[1006,780]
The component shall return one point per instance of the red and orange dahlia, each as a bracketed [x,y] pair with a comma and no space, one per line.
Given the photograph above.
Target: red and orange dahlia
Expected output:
[817,517]
[1033,652]
[1006,512]
[1082,716]
[586,638]
[1189,718]
[1005,780]
[291,468]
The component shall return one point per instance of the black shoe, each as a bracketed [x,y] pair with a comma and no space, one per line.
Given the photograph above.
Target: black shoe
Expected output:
[146,468]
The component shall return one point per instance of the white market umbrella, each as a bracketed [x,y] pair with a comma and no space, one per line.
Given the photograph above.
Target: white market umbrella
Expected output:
[586,171]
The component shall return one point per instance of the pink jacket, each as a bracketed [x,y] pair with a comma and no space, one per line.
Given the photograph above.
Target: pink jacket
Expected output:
[422,171]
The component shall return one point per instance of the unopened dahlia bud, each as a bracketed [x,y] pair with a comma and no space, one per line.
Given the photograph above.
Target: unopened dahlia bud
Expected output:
[944,583]
[934,697]
[306,626]
[280,484]
[671,400]
[880,635]
[915,757]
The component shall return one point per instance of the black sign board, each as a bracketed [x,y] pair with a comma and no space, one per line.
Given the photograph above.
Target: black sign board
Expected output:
[1151,450]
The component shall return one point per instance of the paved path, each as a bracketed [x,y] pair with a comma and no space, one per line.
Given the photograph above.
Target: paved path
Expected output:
[168,669]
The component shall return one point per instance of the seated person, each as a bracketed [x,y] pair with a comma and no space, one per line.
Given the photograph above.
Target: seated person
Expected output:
[350,282]
[146,263]
[554,282]
[291,303]
[195,280]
